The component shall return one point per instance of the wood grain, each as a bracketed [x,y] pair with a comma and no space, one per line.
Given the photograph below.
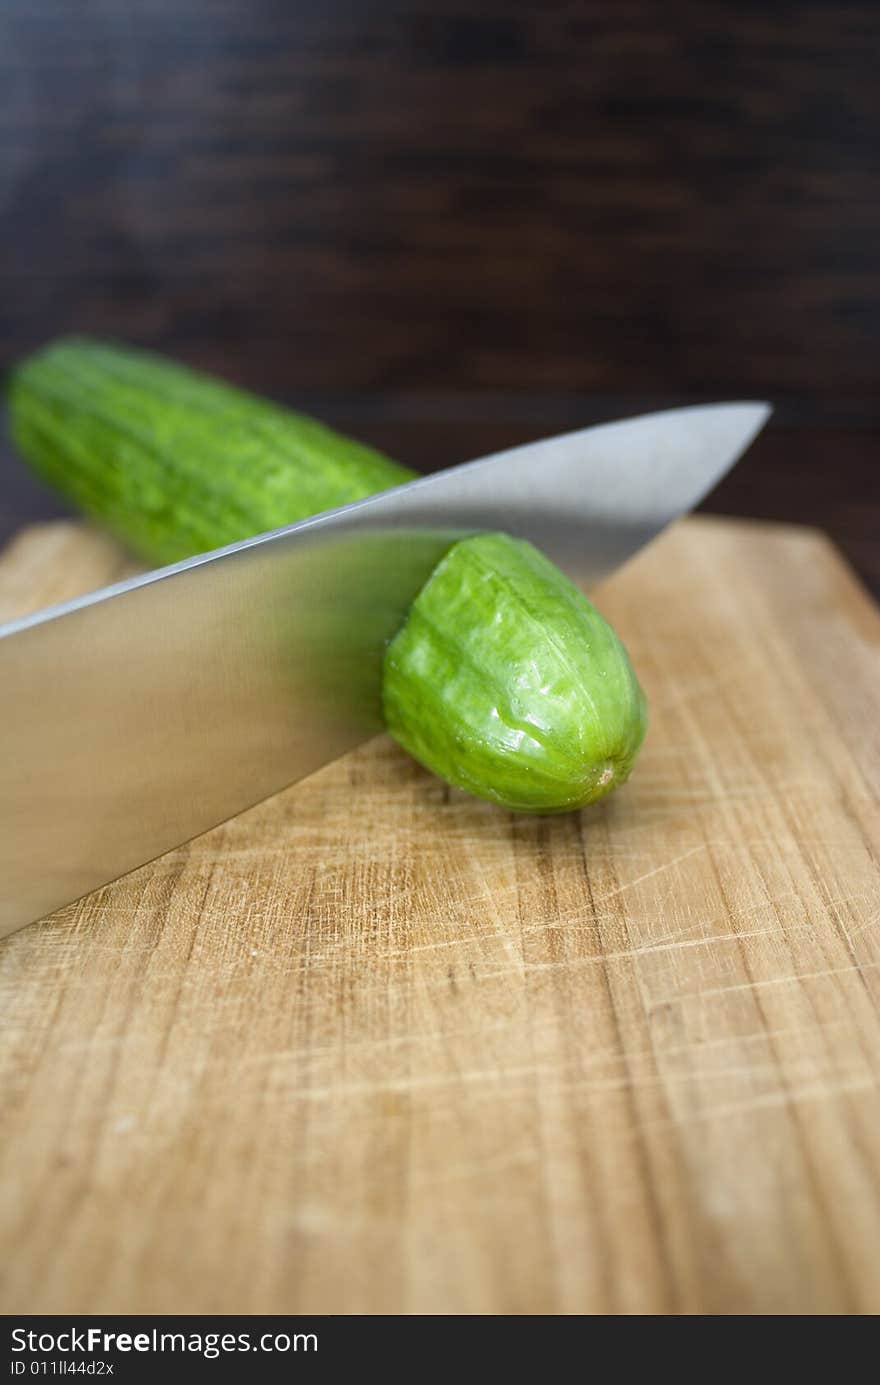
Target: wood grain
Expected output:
[427,196]
[376,1048]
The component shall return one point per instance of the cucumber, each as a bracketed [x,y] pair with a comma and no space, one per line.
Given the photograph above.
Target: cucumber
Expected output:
[174,462]
[503,678]
[507,682]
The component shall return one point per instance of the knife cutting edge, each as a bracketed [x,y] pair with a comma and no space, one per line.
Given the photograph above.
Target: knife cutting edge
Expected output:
[182,696]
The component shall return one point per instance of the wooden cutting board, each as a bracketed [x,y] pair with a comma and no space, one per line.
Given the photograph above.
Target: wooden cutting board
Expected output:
[375,1047]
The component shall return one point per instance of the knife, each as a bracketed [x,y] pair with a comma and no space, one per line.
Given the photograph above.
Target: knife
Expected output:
[140,715]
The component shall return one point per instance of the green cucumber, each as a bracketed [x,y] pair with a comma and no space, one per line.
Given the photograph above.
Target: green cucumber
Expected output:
[173,462]
[505,681]
[503,678]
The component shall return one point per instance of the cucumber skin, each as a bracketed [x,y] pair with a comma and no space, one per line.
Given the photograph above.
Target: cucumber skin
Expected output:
[503,679]
[173,462]
[508,683]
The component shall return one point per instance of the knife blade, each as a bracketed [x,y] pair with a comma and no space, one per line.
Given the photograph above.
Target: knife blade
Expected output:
[138,716]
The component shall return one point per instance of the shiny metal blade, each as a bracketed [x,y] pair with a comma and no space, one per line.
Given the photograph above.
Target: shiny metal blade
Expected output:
[140,715]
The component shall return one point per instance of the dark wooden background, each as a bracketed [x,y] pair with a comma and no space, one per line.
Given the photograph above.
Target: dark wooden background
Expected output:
[450,228]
